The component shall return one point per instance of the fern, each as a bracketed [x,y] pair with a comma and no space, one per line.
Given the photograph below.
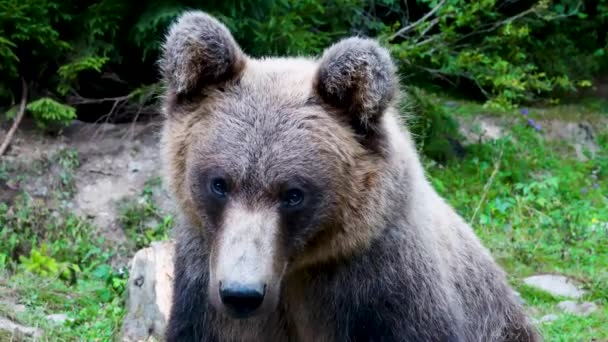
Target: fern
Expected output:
[68,73]
[47,111]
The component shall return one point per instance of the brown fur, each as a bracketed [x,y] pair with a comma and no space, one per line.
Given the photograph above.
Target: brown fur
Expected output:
[377,255]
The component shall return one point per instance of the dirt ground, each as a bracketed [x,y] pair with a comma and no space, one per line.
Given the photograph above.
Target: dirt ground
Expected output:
[116,160]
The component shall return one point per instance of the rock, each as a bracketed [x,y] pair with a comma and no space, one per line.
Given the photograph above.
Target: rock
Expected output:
[579,309]
[580,135]
[135,166]
[19,331]
[546,319]
[149,292]
[58,318]
[481,129]
[556,285]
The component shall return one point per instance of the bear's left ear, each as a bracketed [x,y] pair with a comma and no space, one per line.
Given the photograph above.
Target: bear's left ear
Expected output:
[199,52]
[357,76]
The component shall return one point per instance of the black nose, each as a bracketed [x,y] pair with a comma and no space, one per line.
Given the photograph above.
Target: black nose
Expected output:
[240,299]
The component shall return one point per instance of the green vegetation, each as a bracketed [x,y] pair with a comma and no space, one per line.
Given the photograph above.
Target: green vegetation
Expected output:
[532,202]
[55,262]
[142,220]
[90,58]
[539,210]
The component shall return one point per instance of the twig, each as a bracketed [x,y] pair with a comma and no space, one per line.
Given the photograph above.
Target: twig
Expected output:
[18,118]
[119,104]
[432,24]
[417,22]
[78,99]
[486,188]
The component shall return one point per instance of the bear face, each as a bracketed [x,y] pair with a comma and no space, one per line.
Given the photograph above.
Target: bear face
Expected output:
[277,163]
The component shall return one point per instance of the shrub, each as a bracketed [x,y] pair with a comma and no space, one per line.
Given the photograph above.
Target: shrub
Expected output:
[536,50]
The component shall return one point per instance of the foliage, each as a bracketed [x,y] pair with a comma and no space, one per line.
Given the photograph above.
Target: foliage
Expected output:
[69,72]
[435,131]
[507,52]
[40,263]
[55,262]
[142,220]
[509,57]
[539,210]
[26,225]
[288,27]
[47,111]
[29,37]
[68,161]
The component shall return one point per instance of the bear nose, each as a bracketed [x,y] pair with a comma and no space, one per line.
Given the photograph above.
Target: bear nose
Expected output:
[242,299]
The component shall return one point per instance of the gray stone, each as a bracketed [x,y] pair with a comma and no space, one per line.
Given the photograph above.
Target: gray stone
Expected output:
[19,331]
[149,293]
[556,285]
[579,309]
[59,318]
[481,129]
[546,319]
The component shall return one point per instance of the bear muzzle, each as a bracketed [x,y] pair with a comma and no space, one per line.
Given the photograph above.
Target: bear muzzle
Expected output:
[246,263]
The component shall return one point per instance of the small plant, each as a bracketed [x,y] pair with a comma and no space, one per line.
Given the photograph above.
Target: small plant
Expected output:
[68,161]
[47,111]
[143,221]
[40,263]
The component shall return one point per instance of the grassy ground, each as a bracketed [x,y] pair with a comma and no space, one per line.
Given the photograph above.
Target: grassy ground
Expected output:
[538,210]
[54,262]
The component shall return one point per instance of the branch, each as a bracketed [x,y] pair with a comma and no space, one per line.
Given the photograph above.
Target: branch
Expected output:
[412,26]
[78,100]
[488,185]
[431,25]
[18,118]
[496,25]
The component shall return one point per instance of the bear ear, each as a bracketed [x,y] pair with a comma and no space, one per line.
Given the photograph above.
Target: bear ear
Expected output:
[199,51]
[357,76]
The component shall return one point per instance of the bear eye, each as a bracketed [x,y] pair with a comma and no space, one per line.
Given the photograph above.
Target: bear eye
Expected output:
[219,187]
[292,198]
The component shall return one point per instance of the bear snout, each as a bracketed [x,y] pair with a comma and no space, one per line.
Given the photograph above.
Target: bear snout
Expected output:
[242,300]
[247,264]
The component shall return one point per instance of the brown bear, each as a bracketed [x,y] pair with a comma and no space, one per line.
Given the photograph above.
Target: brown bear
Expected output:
[305,214]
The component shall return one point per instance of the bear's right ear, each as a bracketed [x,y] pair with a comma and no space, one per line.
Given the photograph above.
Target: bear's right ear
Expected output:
[198,52]
[357,76]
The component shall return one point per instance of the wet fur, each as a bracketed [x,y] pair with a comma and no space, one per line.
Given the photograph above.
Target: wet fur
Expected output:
[383,257]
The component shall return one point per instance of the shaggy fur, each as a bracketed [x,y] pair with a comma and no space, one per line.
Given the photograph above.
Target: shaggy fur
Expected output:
[372,254]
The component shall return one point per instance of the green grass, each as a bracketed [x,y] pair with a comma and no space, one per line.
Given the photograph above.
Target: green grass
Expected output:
[536,208]
[142,220]
[55,262]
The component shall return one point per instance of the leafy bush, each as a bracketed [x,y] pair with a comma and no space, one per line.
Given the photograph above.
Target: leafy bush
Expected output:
[92,55]
[30,229]
[434,129]
[509,57]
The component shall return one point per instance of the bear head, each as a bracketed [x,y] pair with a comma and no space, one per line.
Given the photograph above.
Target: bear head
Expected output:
[275,163]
